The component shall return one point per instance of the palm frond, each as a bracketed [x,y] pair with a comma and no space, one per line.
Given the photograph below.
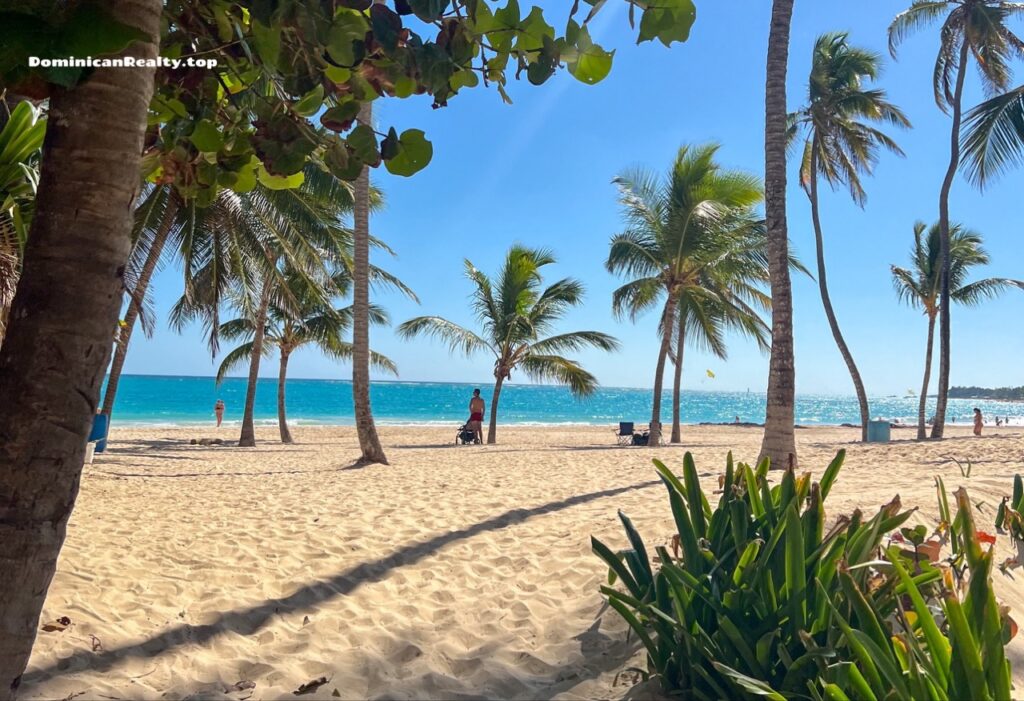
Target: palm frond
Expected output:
[457,338]
[554,368]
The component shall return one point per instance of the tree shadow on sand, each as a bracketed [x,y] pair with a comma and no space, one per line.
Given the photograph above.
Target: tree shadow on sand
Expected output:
[249,620]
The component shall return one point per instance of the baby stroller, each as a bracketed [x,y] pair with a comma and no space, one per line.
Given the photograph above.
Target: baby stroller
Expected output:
[465,436]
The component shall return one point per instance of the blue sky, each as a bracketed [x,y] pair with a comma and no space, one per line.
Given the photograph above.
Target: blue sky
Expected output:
[538,172]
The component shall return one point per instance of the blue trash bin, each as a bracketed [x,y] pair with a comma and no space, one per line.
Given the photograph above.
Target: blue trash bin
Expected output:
[878,432]
[99,432]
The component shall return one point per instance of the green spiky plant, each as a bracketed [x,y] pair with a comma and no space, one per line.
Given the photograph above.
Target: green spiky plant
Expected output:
[765,602]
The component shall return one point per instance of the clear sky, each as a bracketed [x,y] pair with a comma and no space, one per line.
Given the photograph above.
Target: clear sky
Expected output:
[538,172]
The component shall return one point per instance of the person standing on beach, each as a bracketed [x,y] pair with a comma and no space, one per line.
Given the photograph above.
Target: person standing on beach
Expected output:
[979,421]
[218,410]
[476,416]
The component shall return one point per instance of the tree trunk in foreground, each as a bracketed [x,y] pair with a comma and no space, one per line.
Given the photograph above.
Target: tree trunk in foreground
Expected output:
[779,443]
[282,420]
[369,442]
[922,419]
[944,306]
[654,434]
[826,301]
[58,343]
[132,314]
[247,439]
[677,384]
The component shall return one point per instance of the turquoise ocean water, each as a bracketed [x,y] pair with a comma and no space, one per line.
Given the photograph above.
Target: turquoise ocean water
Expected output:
[169,400]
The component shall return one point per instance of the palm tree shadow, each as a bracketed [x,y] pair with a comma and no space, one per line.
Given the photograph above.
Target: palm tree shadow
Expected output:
[250,619]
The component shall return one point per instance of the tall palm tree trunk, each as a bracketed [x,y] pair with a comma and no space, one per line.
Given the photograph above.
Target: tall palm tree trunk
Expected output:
[779,443]
[826,300]
[248,437]
[282,420]
[58,343]
[654,437]
[921,418]
[492,428]
[944,306]
[677,383]
[369,442]
[132,313]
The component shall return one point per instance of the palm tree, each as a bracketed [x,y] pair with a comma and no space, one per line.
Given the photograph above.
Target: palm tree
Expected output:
[840,146]
[371,451]
[705,314]
[517,316]
[258,233]
[971,28]
[297,318]
[993,136]
[58,340]
[678,229]
[920,285]
[779,443]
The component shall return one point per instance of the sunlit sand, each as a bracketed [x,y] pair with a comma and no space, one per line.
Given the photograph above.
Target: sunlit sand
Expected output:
[455,572]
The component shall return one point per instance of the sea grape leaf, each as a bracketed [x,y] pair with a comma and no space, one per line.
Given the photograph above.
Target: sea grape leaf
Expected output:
[428,10]
[310,104]
[363,142]
[414,153]
[591,64]
[278,182]
[386,26]
[668,21]
[340,117]
[90,31]
[267,43]
[206,137]
[345,40]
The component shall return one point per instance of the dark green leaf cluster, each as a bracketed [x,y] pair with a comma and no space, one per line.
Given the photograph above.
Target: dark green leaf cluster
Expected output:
[280,64]
[760,600]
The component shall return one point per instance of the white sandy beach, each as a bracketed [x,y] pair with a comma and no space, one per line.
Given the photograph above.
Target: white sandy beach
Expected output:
[455,572]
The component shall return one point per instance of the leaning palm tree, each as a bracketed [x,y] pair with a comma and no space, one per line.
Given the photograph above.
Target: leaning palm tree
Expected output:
[975,28]
[261,231]
[517,316]
[678,229]
[840,146]
[217,247]
[779,442]
[296,318]
[920,285]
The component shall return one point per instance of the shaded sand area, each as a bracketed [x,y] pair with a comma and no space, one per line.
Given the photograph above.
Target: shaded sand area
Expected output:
[455,572]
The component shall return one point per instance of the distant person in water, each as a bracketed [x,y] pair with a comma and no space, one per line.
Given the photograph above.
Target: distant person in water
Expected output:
[218,410]
[737,420]
[979,421]
[476,416]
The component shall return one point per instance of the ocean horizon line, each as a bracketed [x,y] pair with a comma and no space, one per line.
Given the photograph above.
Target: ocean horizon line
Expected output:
[463,383]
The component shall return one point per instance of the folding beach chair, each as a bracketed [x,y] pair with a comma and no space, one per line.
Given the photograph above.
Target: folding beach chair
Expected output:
[625,433]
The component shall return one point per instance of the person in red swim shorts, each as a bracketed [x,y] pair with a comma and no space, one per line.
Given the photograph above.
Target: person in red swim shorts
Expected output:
[476,416]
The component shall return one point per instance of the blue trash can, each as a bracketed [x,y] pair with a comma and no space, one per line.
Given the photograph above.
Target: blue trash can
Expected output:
[878,431]
[99,432]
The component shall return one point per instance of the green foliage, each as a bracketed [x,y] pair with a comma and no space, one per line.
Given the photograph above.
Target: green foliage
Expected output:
[21,140]
[841,142]
[281,63]
[919,286]
[1010,514]
[518,315]
[762,600]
